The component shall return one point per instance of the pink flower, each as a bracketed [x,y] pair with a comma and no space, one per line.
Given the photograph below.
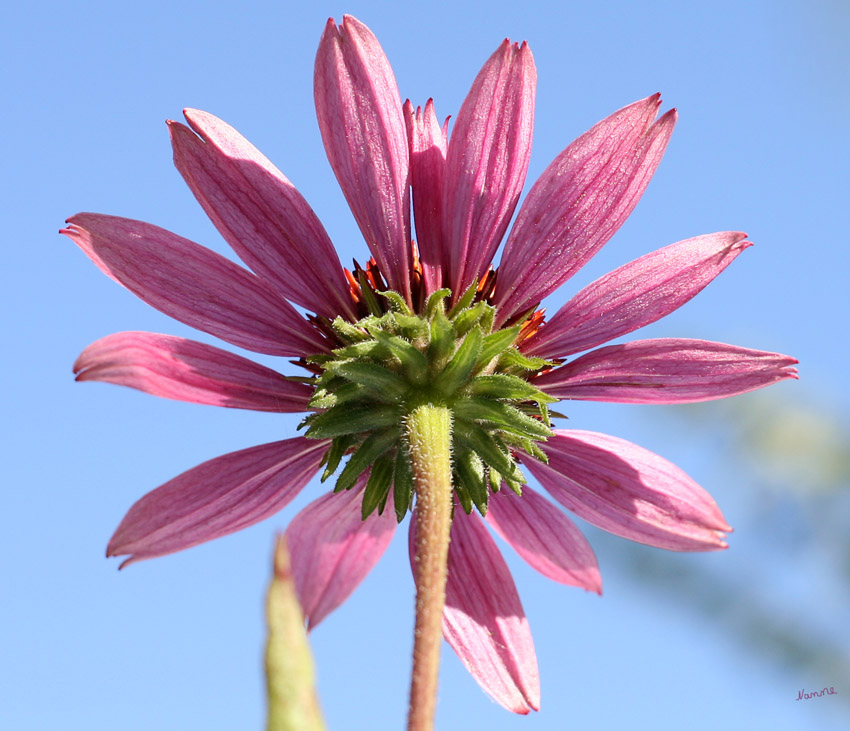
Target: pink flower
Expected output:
[465,189]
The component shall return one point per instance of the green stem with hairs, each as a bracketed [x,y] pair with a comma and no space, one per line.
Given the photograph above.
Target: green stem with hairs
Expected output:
[429,438]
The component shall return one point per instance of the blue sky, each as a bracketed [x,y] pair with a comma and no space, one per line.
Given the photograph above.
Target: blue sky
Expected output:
[175,643]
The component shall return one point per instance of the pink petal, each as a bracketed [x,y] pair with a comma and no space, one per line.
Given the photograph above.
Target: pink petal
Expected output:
[333,549]
[546,538]
[260,214]
[359,111]
[427,141]
[629,491]
[579,202]
[194,285]
[186,370]
[487,161]
[636,294]
[483,619]
[221,496]
[666,371]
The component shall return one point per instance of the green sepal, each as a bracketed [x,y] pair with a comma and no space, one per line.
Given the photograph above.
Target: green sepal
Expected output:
[469,318]
[319,359]
[335,453]
[309,380]
[490,449]
[411,326]
[538,453]
[349,333]
[351,419]
[495,479]
[463,496]
[470,471]
[461,364]
[515,486]
[502,415]
[402,483]
[436,301]
[443,340]
[322,399]
[328,381]
[413,362]
[465,300]
[518,441]
[368,294]
[365,349]
[378,485]
[325,398]
[396,302]
[487,319]
[387,385]
[544,413]
[507,388]
[515,478]
[516,361]
[495,343]
[537,410]
[372,448]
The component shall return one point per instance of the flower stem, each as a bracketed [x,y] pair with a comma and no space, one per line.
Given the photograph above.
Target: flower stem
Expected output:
[429,436]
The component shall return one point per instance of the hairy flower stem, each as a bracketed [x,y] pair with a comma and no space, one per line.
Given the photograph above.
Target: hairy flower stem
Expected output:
[429,437]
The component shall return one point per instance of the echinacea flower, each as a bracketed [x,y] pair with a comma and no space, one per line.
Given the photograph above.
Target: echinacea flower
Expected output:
[424,322]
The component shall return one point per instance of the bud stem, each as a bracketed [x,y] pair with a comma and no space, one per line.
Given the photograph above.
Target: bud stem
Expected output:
[429,437]
[290,676]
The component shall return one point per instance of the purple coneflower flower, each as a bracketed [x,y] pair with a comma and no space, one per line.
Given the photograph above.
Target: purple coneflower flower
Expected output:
[424,322]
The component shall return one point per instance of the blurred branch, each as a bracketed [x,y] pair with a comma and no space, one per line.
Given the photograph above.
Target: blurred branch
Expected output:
[790,463]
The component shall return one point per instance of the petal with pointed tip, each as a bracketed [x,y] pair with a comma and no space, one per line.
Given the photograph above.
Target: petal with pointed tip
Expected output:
[487,161]
[636,294]
[427,142]
[666,371]
[333,549]
[218,497]
[194,285]
[186,370]
[629,491]
[579,202]
[360,118]
[544,537]
[260,214]
[483,619]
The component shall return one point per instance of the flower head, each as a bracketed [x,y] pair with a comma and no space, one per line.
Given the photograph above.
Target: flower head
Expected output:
[425,321]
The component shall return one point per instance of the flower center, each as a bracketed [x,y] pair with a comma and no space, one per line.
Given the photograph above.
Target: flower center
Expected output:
[393,361]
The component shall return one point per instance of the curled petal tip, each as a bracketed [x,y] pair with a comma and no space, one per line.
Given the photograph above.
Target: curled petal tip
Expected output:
[671,116]
[653,100]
